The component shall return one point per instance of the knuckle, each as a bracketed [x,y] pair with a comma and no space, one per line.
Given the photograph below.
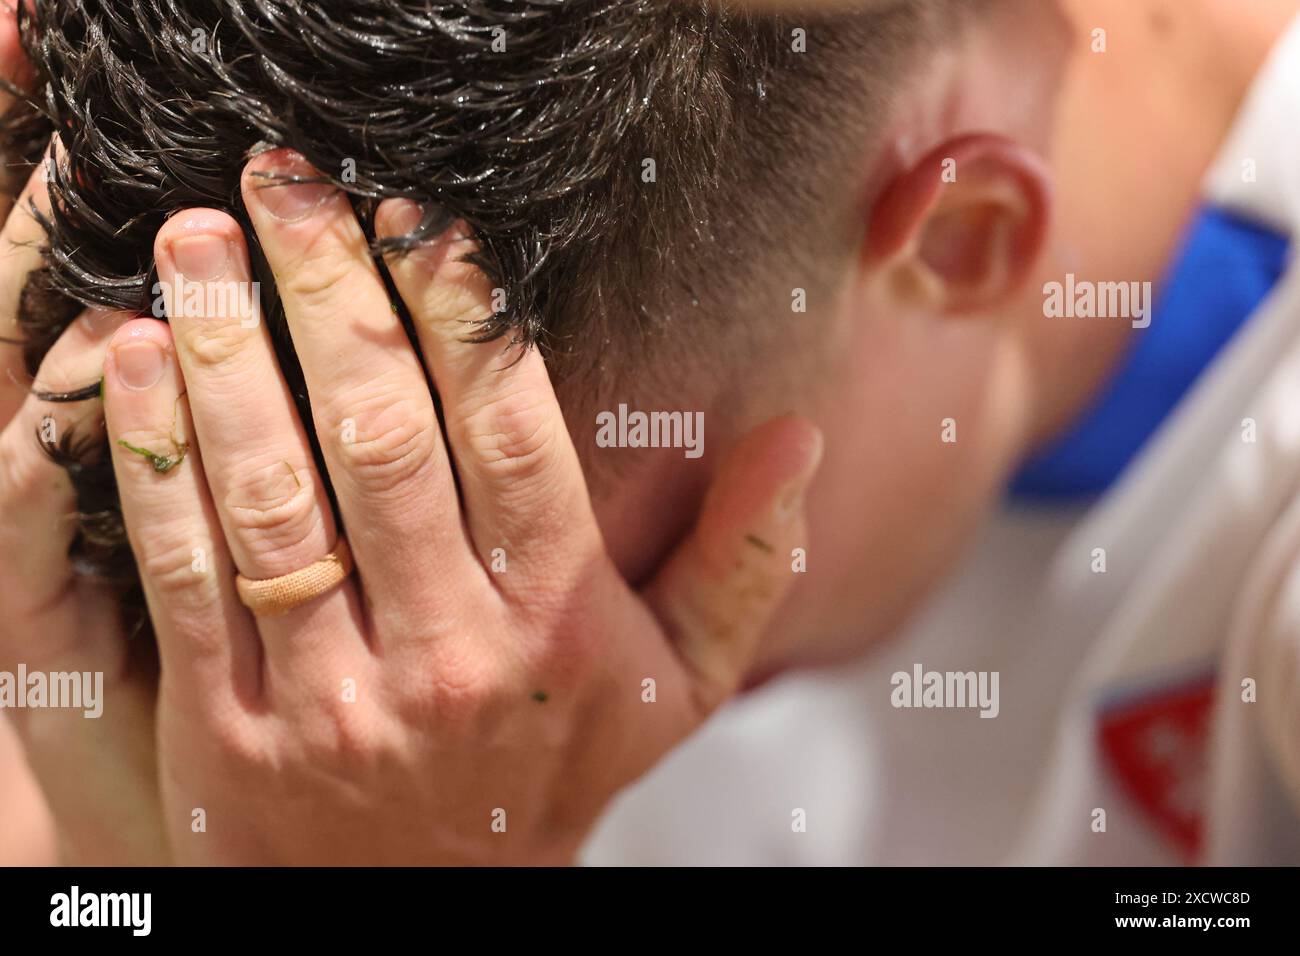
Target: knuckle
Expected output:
[236,742]
[458,300]
[318,280]
[167,559]
[335,725]
[571,660]
[214,344]
[462,688]
[457,702]
[340,733]
[510,438]
[62,372]
[274,514]
[130,464]
[391,441]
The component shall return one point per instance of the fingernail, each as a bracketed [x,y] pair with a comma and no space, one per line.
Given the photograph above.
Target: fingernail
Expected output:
[93,319]
[139,364]
[201,258]
[403,217]
[291,202]
[790,500]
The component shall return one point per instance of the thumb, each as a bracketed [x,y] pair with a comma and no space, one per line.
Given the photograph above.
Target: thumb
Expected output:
[716,593]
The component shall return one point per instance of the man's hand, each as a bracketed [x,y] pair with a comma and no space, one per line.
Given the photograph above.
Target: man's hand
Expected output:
[486,681]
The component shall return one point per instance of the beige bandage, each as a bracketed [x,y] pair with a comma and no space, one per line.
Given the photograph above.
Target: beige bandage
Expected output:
[273,596]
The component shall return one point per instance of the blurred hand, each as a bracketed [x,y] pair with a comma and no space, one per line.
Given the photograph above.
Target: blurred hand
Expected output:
[97,775]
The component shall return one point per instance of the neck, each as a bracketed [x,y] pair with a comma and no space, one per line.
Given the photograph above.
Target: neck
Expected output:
[1139,126]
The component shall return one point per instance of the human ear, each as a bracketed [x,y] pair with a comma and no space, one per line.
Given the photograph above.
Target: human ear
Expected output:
[961,229]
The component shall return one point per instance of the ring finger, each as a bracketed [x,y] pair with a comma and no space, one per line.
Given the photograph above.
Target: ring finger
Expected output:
[269,496]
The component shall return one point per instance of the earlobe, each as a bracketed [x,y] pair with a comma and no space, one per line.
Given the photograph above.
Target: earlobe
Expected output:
[960,231]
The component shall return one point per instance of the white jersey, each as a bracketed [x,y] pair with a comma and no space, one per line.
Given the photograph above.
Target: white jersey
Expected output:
[1143,713]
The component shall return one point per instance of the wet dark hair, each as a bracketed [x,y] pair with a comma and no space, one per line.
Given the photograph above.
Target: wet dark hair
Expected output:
[532,120]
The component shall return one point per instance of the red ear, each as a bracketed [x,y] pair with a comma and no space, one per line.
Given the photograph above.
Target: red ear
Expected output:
[898,215]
